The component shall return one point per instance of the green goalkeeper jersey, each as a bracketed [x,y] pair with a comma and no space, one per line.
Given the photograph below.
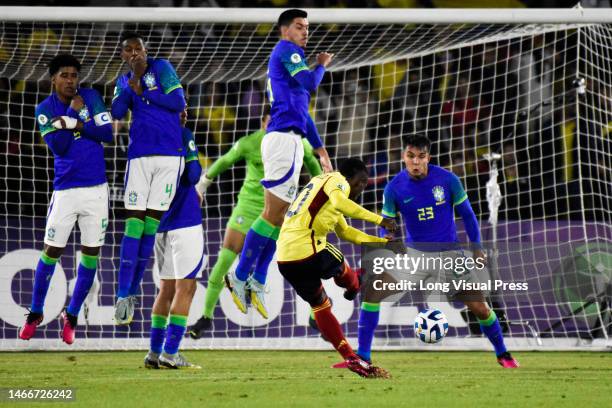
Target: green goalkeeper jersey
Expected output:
[249,149]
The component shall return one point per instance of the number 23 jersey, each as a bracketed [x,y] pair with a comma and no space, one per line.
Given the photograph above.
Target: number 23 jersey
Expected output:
[426,205]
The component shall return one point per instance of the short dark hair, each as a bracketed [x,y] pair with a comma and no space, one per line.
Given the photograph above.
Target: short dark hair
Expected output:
[419,141]
[349,167]
[129,35]
[63,60]
[287,17]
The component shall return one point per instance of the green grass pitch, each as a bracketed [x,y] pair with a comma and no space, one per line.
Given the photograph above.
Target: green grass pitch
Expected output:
[302,378]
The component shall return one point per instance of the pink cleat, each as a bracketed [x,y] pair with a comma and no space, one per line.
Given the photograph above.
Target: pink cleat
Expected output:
[29,329]
[344,364]
[69,326]
[507,361]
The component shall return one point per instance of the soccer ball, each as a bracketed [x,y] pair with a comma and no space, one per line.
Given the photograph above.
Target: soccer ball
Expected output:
[430,326]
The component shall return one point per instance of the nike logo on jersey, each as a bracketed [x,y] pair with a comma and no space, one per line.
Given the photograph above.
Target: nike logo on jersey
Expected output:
[409,199]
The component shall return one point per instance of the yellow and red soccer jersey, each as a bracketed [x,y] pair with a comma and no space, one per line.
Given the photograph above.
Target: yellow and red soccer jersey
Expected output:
[312,216]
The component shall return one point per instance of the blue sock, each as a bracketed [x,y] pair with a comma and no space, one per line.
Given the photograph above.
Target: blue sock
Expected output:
[130,245]
[261,268]
[255,243]
[147,242]
[85,278]
[158,332]
[491,328]
[42,279]
[368,320]
[174,334]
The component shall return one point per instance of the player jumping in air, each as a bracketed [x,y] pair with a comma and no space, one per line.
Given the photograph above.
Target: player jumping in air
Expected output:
[153,92]
[248,208]
[427,196]
[179,252]
[305,257]
[289,86]
[74,122]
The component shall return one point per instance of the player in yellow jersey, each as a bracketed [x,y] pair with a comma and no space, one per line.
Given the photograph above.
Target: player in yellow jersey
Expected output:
[305,257]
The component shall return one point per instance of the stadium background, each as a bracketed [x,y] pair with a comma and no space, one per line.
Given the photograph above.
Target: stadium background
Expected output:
[467,100]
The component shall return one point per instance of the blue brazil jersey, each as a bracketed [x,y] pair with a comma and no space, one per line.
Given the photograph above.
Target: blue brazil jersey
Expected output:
[427,205]
[289,99]
[185,209]
[154,130]
[82,165]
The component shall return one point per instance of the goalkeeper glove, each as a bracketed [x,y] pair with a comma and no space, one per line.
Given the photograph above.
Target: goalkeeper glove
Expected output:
[64,122]
[203,184]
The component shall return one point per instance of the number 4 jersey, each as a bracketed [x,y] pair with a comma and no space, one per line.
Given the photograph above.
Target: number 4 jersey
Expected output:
[426,205]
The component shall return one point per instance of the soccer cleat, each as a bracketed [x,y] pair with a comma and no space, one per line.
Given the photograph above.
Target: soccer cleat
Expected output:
[344,364]
[257,296]
[365,369]
[151,360]
[124,310]
[176,361]
[202,325]
[29,328]
[238,290]
[507,361]
[69,327]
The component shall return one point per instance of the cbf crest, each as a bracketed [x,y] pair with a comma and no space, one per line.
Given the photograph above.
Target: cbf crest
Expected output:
[149,80]
[438,193]
[84,114]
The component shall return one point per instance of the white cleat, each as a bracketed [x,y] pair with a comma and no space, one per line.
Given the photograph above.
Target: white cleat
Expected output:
[124,310]
[258,291]
[238,290]
[176,361]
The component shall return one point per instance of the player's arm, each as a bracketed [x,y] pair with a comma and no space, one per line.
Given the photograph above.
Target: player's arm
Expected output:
[59,141]
[312,135]
[294,63]
[220,165]
[464,208]
[122,100]
[337,190]
[389,209]
[193,169]
[348,233]
[100,129]
[169,94]
[311,162]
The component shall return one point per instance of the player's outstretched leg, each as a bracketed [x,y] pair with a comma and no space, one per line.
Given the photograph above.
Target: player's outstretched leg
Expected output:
[331,330]
[145,250]
[86,274]
[490,327]
[130,246]
[170,357]
[42,279]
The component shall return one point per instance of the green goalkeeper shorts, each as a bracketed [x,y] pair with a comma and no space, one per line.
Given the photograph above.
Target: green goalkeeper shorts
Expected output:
[243,216]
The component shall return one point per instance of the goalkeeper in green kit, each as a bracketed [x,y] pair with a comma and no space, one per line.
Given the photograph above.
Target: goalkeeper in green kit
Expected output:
[249,207]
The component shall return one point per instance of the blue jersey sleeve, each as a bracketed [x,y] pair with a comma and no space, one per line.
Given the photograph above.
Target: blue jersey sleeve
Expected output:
[122,98]
[59,141]
[389,209]
[312,134]
[94,116]
[168,78]
[293,60]
[458,194]
[193,170]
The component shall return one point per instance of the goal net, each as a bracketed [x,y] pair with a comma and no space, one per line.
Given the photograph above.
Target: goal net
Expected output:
[534,89]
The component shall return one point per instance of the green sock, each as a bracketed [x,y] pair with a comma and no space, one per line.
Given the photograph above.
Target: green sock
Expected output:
[215,280]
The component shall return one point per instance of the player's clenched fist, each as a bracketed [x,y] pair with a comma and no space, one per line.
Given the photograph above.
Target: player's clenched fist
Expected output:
[324,58]
[77,103]
[389,224]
